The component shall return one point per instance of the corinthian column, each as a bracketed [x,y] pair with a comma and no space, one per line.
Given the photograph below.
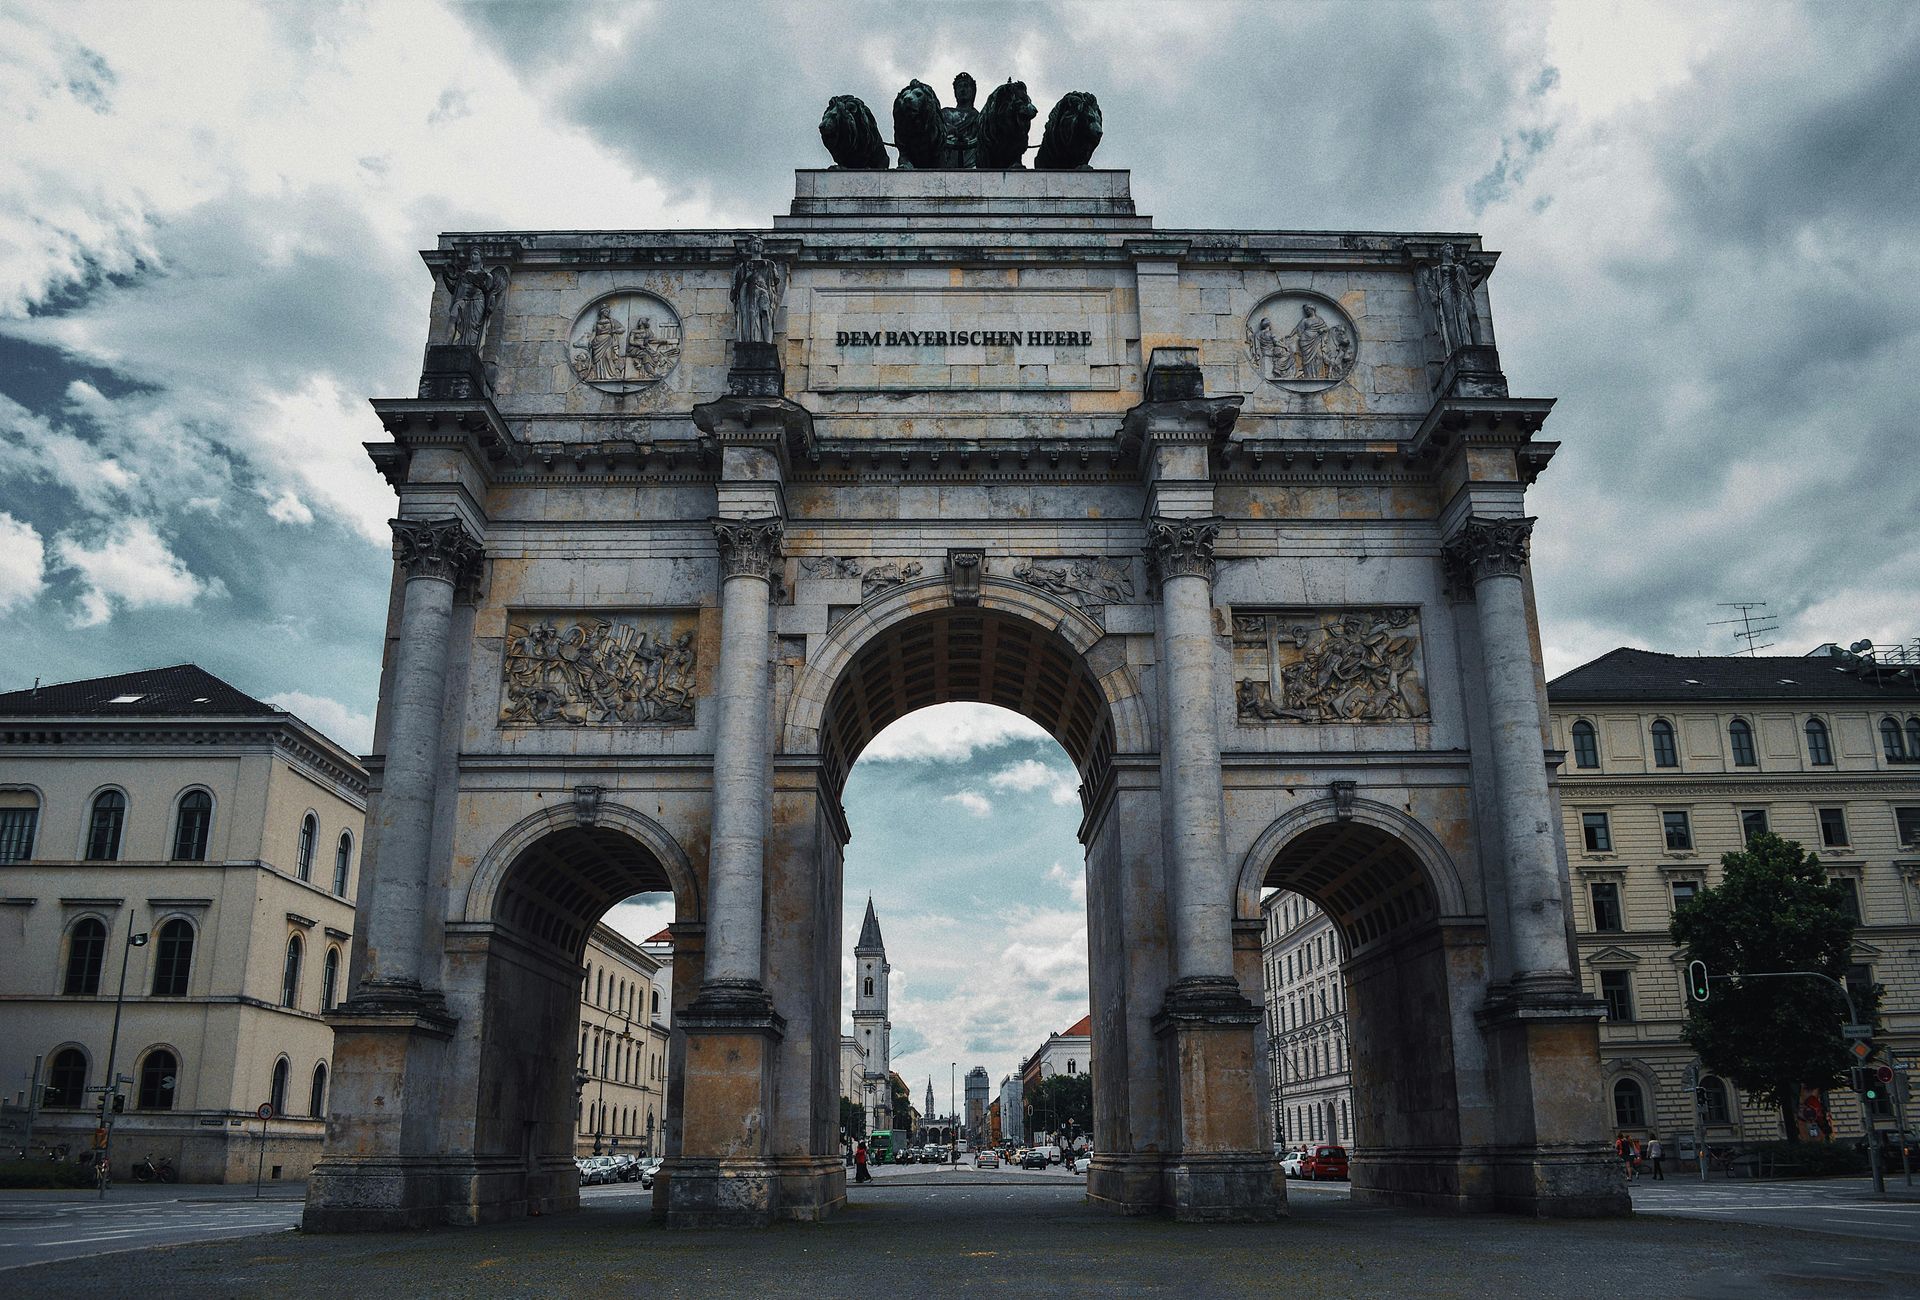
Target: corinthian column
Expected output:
[1492,554]
[437,554]
[748,550]
[1182,553]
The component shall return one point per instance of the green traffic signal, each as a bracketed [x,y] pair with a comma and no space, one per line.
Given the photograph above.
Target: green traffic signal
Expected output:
[1698,986]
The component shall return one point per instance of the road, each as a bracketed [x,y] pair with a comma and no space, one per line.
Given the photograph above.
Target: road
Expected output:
[1843,1207]
[46,1227]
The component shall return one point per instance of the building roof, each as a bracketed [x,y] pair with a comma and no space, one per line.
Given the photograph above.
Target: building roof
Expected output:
[182,691]
[870,940]
[1629,674]
[1081,1028]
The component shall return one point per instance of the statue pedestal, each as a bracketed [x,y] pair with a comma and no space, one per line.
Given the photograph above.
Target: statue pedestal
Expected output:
[454,371]
[756,371]
[1473,372]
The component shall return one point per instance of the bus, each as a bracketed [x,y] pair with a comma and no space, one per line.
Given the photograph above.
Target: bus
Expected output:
[880,1147]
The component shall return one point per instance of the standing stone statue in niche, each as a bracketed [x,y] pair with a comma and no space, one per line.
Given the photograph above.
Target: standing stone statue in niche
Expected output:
[1073,133]
[1004,124]
[1450,285]
[919,129]
[758,283]
[475,293]
[851,135]
[960,124]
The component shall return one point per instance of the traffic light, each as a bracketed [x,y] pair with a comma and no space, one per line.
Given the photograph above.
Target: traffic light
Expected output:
[1697,984]
[119,1103]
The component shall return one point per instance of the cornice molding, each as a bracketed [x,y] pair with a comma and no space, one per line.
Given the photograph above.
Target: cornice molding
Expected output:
[1664,789]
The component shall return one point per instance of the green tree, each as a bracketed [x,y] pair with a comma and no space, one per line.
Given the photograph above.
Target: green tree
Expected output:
[1059,1099]
[1775,910]
[853,1120]
[905,1117]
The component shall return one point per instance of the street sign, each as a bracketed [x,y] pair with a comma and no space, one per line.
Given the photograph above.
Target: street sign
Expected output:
[265,1111]
[1883,1073]
[1861,1051]
[99,1138]
[1856,1033]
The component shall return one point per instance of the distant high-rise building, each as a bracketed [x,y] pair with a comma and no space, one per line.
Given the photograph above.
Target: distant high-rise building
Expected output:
[1013,1126]
[978,1087]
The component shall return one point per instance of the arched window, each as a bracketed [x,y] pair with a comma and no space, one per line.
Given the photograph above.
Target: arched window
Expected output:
[86,954]
[191,826]
[1629,1105]
[1586,745]
[104,826]
[19,816]
[1819,743]
[342,860]
[330,979]
[1713,1101]
[159,1078]
[1890,740]
[656,1002]
[278,1096]
[1913,737]
[309,836]
[1740,735]
[290,975]
[317,1095]
[1665,752]
[869,986]
[67,1079]
[172,959]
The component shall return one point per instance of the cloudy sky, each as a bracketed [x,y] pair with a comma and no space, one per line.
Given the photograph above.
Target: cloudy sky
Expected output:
[209,217]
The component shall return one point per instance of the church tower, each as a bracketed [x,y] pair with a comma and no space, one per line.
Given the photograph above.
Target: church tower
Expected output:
[870,1027]
[926,1116]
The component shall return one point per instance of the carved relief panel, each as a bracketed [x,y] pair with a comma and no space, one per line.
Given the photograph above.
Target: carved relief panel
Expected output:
[1301,341]
[1089,581]
[613,670]
[1347,665]
[625,342]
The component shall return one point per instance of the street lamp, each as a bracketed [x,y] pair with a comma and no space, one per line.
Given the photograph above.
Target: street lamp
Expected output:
[111,1085]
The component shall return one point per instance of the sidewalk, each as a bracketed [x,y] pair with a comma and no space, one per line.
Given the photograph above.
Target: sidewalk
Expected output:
[147,1193]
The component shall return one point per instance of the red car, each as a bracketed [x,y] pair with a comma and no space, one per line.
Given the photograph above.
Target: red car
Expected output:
[1324,1162]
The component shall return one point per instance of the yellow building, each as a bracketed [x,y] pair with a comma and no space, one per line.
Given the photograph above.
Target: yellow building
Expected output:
[1671,762]
[626,1009]
[167,805]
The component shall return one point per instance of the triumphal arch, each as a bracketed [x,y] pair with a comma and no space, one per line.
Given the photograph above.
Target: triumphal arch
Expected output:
[688,516]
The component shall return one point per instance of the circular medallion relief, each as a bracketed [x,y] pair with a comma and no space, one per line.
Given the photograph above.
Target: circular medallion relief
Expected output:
[1301,341]
[625,342]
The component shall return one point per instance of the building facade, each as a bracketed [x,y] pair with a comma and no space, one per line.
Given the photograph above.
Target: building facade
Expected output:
[1671,762]
[977,1090]
[626,1015]
[1013,1118]
[167,804]
[1068,1052]
[870,1024]
[1306,1005]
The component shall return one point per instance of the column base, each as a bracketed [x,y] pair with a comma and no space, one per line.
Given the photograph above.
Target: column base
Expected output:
[1127,1184]
[751,1193]
[1225,1188]
[1566,1183]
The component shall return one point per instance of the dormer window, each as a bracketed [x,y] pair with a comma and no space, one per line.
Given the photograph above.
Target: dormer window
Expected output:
[127,699]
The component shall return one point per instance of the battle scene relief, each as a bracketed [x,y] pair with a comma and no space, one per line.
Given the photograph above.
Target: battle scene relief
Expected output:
[618,671]
[1352,665]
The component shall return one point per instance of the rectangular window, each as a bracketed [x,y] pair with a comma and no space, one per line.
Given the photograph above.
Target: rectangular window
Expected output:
[1679,832]
[1616,987]
[1833,827]
[1683,892]
[1907,822]
[16,833]
[1850,896]
[1753,821]
[1596,832]
[1606,906]
[1860,985]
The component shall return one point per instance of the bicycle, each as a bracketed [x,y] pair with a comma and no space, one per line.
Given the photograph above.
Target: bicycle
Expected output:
[146,1171]
[1721,1160]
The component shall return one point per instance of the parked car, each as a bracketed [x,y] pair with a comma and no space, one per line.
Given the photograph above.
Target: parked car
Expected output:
[1324,1162]
[1034,1159]
[1290,1162]
[1082,1161]
[649,1170]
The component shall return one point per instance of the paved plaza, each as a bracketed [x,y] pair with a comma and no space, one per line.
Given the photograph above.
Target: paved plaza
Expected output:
[932,1232]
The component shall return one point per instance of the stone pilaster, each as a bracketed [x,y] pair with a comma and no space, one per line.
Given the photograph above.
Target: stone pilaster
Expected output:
[1491,553]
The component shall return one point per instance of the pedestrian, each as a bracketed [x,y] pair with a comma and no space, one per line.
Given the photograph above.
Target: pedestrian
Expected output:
[860,1174]
[1656,1153]
[1623,1147]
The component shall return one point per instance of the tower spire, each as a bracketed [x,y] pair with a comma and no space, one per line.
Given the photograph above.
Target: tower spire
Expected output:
[870,940]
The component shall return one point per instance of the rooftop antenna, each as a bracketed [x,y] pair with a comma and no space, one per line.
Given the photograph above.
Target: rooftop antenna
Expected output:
[1752,626]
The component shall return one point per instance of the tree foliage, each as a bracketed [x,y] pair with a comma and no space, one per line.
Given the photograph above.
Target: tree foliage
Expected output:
[1775,910]
[1058,1099]
[853,1119]
[905,1118]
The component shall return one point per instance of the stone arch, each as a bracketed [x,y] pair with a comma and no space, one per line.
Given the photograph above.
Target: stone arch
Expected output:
[1423,846]
[1129,715]
[482,900]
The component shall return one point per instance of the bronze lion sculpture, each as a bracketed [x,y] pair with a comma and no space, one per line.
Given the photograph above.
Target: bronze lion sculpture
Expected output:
[1004,121]
[1073,133]
[848,130]
[918,131]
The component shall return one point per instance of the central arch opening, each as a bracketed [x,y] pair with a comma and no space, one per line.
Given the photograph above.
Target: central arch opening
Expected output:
[969,747]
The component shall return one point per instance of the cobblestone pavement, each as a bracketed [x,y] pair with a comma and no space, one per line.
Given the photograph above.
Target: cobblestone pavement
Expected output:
[1017,1235]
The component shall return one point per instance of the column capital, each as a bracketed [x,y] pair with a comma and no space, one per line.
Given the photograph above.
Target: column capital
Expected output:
[749,547]
[1483,548]
[436,548]
[1182,547]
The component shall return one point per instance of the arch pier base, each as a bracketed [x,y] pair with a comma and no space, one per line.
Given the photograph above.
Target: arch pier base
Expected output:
[1223,1170]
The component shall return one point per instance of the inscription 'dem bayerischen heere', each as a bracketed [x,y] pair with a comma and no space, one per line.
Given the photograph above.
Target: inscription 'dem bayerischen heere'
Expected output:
[962,338]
